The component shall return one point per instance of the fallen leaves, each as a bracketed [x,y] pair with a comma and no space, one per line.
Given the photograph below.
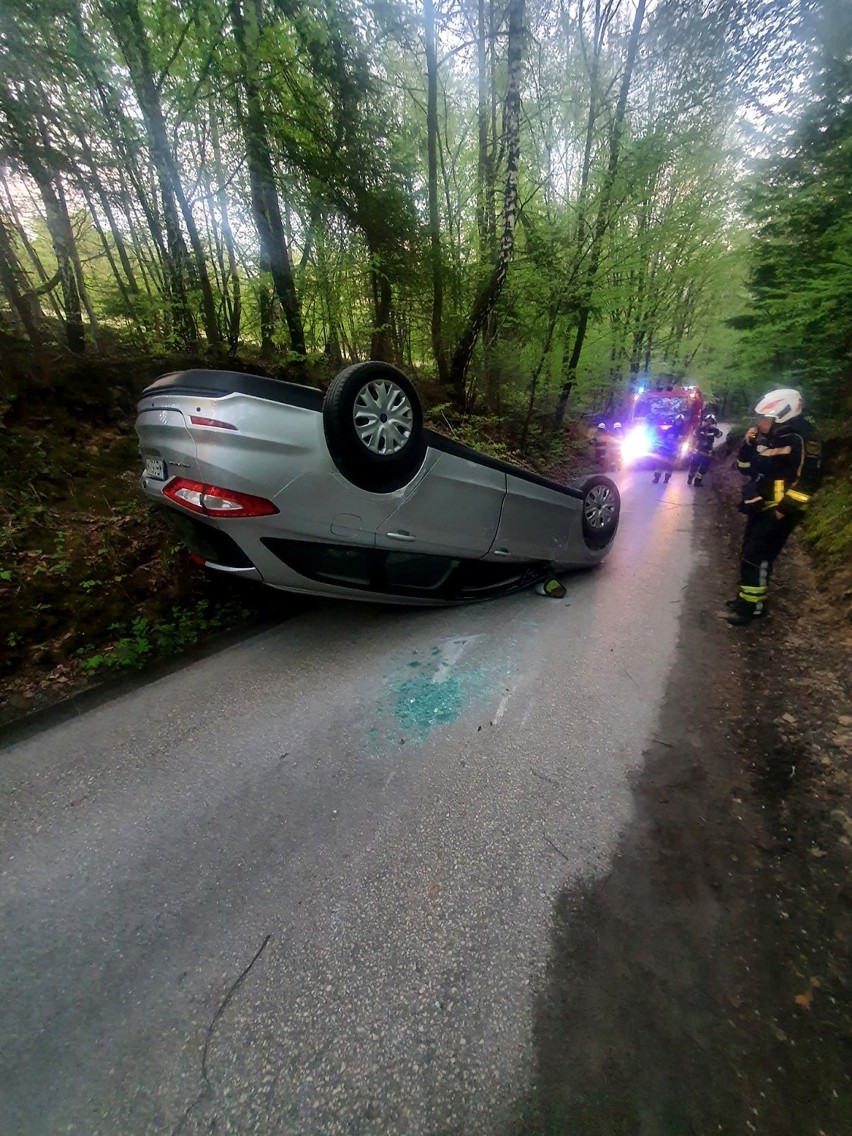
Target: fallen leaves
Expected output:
[839,816]
[804,1000]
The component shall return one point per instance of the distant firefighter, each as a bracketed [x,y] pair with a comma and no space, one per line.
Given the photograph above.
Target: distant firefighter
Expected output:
[702,449]
[667,447]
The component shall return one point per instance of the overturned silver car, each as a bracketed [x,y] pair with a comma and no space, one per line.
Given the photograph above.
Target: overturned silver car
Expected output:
[347,494]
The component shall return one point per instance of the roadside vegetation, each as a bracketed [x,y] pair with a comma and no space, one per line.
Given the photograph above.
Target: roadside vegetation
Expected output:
[828,527]
[533,211]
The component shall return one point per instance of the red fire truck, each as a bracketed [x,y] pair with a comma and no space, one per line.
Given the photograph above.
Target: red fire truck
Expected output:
[653,411]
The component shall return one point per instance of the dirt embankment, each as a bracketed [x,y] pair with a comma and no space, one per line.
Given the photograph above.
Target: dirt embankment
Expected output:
[91,581]
[704,986]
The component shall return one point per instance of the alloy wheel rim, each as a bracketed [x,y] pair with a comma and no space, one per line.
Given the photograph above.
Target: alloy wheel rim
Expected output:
[599,507]
[383,417]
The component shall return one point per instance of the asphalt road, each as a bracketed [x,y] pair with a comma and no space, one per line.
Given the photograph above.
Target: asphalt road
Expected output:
[306,884]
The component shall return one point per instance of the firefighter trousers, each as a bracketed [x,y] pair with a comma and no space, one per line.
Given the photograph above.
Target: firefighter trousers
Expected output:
[765,535]
[698,466]
[664,462]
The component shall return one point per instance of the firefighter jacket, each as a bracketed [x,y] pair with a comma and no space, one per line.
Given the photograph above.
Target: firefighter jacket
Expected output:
[667,437]
[705,436]
[788,472]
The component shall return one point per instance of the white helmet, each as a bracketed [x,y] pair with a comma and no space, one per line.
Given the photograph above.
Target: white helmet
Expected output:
[783,405]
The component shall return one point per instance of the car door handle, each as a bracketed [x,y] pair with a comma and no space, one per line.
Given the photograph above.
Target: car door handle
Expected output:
[402,535]
[501,552]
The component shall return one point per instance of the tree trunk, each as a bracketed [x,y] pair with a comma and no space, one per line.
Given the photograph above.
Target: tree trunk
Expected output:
[62,219]
[329,303]
[25,138]
[130,33]
[82,290]
[264,195]
[115,232]
[62,239]
[602,221]
[127,172]
[92,188]
[533,385]
[14,282]
[233,278]
[121,284]
[266,312]
[434,217]
[21,234]
[453,214]
[381,343]
[484,170]
[490,293]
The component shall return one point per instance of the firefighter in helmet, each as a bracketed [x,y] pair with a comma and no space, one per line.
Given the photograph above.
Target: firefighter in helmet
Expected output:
[782,457]
[617,445]
[667,447]
[702,449]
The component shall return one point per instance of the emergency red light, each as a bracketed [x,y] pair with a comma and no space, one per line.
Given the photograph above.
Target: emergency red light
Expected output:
[196,420]
[213,501]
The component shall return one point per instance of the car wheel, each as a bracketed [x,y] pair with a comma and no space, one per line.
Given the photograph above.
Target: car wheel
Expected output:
[374,426]
[601,510]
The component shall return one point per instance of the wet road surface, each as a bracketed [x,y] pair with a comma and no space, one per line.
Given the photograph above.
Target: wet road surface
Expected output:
[307,884]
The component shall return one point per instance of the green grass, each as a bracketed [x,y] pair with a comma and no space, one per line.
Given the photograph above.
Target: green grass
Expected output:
[828,525]
[143,640]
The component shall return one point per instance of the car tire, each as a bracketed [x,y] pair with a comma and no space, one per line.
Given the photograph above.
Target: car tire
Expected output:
[601,510]
[374,426]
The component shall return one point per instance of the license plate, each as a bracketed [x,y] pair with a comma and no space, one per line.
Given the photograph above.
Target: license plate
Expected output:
[155,468]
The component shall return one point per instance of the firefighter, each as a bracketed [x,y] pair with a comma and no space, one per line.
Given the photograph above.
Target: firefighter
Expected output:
[782,457]
[702,448]
[667,447]
[617,444]
[601,443]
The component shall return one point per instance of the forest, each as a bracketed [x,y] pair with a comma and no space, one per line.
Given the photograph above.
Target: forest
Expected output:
[532,208]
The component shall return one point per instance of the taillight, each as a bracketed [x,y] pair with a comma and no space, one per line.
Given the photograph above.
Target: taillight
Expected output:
[212,501]
[217,422]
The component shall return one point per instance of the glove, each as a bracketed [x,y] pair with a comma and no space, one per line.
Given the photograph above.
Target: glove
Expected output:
[752,501]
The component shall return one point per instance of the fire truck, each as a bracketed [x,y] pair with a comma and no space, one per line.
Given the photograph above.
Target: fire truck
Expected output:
[653,412]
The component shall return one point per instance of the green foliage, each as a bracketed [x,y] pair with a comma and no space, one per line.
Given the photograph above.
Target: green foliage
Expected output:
[801,279]
[480,431]
[340,92]
[828,525]
[144,640]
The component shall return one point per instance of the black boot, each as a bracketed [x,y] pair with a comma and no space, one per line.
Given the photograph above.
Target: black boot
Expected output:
[698,483]
[740,616]
[656,478]
[735,604]
[667,479]
[689,480]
